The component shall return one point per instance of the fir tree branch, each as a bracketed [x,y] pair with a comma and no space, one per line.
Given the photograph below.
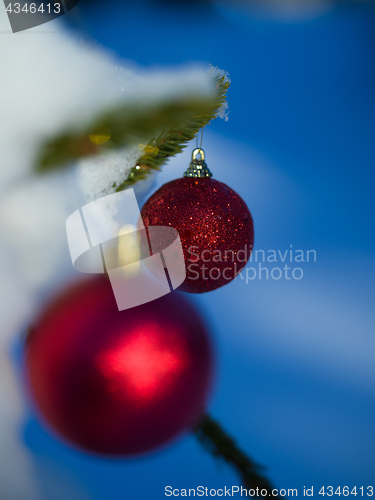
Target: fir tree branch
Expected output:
[215,440]
[174,139]
[170,125]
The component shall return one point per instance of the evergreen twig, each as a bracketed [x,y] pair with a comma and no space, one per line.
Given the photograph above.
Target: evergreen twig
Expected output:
[174,139]
[169,125]
[215,439]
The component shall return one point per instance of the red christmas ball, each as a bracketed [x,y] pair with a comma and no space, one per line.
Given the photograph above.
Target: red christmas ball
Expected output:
[118,383]
[215,226]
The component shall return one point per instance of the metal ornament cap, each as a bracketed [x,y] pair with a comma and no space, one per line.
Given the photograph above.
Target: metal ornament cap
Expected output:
[198,166]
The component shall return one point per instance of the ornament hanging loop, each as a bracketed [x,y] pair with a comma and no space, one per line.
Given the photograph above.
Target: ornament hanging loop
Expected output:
[198,156]
[198,166]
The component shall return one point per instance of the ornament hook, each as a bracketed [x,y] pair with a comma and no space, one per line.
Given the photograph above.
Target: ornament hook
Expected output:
[198,166]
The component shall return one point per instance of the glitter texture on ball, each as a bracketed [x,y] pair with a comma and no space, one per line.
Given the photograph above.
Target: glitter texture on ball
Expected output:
[215,226]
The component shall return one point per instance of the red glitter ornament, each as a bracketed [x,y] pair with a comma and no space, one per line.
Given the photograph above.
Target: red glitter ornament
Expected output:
[215,226]
[118,383]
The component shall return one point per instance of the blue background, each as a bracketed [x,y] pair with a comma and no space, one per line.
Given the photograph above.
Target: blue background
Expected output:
[296,371]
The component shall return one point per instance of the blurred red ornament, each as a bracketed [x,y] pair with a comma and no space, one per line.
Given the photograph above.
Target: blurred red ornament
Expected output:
[215,226]
[119,383]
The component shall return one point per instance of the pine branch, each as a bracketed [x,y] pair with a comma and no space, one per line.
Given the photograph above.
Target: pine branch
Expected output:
[215,440]
[170,125]
[174,139]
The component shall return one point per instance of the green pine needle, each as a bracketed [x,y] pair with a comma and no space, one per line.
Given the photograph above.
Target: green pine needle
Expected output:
[170,125]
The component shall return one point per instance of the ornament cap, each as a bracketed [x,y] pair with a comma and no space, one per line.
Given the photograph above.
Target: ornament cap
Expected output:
[198,166]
